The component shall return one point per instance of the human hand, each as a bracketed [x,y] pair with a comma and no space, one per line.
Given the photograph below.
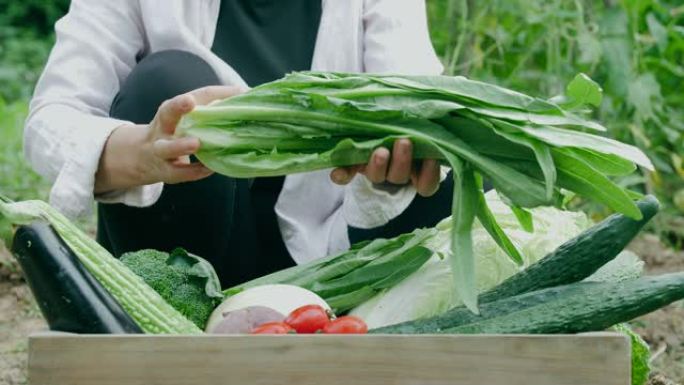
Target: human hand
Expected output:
[396,168]
[137,155]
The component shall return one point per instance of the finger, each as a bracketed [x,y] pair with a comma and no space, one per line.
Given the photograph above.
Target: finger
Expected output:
[172,110]
[376,170]
[169,149]
[400,164]
[427,182]
[344,175]
[186,173]
[182,160]
[206,95]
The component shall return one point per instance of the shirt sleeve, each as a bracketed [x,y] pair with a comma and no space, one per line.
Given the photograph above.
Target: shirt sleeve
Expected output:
[396,40]
[97,43]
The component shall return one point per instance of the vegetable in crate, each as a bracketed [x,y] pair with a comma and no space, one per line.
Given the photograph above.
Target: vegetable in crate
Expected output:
[348,279]
[527,147]
[308,319]
[579,257]
[430,290]
[348,324]
[575,260]
[572,251]
[186,281]
[147,308]
[70,299]
[574,308]
[283,299]
[274,328]
[243,321]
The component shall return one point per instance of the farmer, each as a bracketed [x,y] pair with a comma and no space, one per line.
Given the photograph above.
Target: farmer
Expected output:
[121,75]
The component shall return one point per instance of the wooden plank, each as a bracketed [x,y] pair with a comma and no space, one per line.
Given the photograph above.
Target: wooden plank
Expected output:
[331,360]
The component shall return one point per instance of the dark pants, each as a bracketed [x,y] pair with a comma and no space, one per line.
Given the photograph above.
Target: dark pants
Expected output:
[219,218]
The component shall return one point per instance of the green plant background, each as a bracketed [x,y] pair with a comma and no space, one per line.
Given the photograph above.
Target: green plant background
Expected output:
[26,37]
[634,48]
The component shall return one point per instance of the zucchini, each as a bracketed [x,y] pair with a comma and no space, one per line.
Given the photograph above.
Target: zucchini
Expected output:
[575,308]
[141,302]
[70,299]
[579,257]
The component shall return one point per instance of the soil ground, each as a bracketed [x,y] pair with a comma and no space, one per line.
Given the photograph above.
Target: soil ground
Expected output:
[663,329]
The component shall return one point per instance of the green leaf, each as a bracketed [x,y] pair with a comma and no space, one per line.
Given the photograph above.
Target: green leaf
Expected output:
[545,160]
[607,164]
[333,267]
[375,267]
[488,221]
[482,137]
[462,260]
[582,91]
[589,46]
[199,268]
[658,31]
[520,188]
[346,301]
[542,153]
[618,48]
[524,218]
[458,88]
[641,355]
[6,232]
[391,267]
[576,175]
[559,137]
[644,94]
[6,229]
[412,260]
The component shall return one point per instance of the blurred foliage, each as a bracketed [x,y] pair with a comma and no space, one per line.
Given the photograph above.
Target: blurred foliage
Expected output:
[36,17]
[17,180]
[26,33]
[634,48]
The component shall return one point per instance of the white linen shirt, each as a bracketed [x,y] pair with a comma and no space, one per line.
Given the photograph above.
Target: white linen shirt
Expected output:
[98,44]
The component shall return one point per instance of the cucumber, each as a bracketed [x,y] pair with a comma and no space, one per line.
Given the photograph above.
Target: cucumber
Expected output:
[574,308]
[462,316]
[579,257]
[595,307]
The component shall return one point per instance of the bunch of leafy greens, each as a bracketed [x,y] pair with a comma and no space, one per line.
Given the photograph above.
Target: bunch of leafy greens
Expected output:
[527,147]
[348,279]
[187,282]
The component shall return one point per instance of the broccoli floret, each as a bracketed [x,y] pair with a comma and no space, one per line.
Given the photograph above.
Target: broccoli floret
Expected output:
[176,278]
[193,302]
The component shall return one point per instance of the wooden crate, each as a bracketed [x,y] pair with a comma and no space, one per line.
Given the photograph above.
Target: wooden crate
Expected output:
[590,359]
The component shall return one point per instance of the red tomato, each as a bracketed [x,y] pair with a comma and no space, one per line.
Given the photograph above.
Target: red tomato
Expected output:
[346,325]
[308,319]
[273,328]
